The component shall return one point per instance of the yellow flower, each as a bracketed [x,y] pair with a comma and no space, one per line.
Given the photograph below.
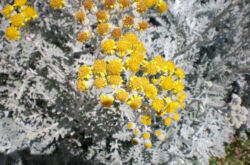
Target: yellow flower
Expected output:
[158,133]
[88,4]
[123,47]
[138,56]
[128,22]
[29,13]
[116,33]
[167,121]
[150,91]
[17,20]
[178,87]
[133,64]
[172,107]
[136,131]
[57,4]
[160,113]
[106,101]
[160,61]
[12,33]
[150,3]
[115,80]
[124,3]
[135,101]
[103,28]
[109,4]
[130,125]
[139,47]
[146,135]
[157,104]
[151,68]
[81,85]
[167,83]
[80,16]
[135,141]
[84,72]
[148,145]
[99,67]
[143,25]
[122,95]
[146,120]
[102,16]
[83,36]
[131,37]
[168,67]
[20,3]
[108,46]
[115,66]
[141,7]
[135,83]
[176,117]
[179,73]
[145,83]
[182,97]
[7,10]
[100,82]
[162,6]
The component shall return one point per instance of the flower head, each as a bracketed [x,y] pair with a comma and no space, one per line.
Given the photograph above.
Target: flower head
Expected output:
[128,22]
[80,16]
[17,20]
[12,33]
[122,95]
[151,68]
[103,28]
[130,125]
[100,82]
[88,4]
[29,13]
[81,85]
[133,64]
[135,101]
[143,25]
[178,87]
[138,56]
[150,3]
[139,47]
[135,83]
[141,7]
[148,144]
[176,117]
[99,67]
[158,133]
[115,67]
[83,36]
[150,91]
[167,121]
[57,4]
[20,3]
[106,101]
[168,67]
[146,120]
[7,10]
[167,83]
[102,16]
[146,135]
[182,97]
[109,4]
[157,104]
[179,73]
[162,6]
[123,47]
[131,37]
[123,3]
[84,72]
[108,46]
[172,107]
[116,33]
[115,80]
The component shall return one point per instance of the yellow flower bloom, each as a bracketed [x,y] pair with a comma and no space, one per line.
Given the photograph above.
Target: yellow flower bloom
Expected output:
[139,47]
[141,7]
[146,120]
[88,4]
[108,47]
[136,131]
[148,145]
[20,3]
[151,68]
[182,97]
[128,22]
[99,67]
[135,101]
[29,13]
[143,25]
[115,80]
[130,125]
[168,67]
[160,61]
[146,135]
[80,16]
[106,101]
[116,33]
[138,56]
[133,64]
[172,107]
[160,113]
[103,28]
[176,117]
[158,133]
[7,10]
[100,82]
[17,20]
[12,33]
[135,83]
[123,47]
[109,4]
[145,83]
[83,36]
[102,16]
[150,3]
[57,4]
[162,6]
[122,95]
[115,67]
[150,91]
[123,3]
[157,104]
[178,87]
[167,121]
[167,83]
[179,73]
[84,72]
[131,37]
[81,85]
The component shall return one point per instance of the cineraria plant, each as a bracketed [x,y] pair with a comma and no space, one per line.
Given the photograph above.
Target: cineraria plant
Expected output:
[106,78]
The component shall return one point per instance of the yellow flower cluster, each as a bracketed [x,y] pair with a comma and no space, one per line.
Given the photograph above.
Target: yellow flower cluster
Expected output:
[17,19]
[152,88]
